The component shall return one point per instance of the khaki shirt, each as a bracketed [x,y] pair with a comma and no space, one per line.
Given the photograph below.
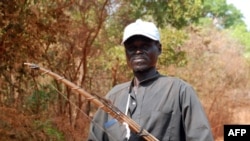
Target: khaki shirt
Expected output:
[166,107]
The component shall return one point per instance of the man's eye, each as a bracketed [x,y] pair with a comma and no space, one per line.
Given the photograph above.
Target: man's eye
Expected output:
[130,48]
[146,46]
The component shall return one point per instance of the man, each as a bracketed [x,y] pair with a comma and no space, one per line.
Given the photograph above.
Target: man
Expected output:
[166,107]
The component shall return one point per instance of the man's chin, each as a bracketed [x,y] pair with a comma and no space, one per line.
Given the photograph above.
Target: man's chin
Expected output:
[140,69]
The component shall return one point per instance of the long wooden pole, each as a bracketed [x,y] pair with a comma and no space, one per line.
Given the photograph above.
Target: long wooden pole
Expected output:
[100,102]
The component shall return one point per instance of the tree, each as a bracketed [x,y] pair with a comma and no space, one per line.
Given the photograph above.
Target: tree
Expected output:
[240,33]
[58,35]
[222,14]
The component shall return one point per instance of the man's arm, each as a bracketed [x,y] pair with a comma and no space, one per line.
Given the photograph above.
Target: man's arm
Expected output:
[195,121]
[96,131]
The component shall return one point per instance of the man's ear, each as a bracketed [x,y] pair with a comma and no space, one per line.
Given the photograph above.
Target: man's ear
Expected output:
[159,47]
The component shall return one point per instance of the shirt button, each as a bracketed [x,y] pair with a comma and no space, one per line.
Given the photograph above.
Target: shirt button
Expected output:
[133,103]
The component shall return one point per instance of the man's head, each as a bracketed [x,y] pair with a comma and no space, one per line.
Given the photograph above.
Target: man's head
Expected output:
[142,45]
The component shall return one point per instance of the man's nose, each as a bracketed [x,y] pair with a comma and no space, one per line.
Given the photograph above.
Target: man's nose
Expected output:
[139,50]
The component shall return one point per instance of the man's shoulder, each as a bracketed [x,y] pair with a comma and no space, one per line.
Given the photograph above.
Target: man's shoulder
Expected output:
[119,87]
[122,86]
[173,80]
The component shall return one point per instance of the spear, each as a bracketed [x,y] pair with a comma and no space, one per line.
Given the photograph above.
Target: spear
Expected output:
[100,102]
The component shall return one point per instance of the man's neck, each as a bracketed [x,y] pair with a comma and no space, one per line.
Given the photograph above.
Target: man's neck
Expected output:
[143,75]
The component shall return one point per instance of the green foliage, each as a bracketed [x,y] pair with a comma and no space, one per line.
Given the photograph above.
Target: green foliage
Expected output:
[41,98]
[48,128]
[172,40]
[205,21]
[177,13]
[221,15]
[226,15]
[240,33]
[115,55]
[116,63]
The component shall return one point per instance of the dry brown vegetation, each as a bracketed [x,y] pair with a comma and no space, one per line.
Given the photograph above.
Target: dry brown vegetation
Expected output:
[220,74]
[71,39]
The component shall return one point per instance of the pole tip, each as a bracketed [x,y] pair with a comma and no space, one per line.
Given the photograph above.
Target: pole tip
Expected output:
[31,65]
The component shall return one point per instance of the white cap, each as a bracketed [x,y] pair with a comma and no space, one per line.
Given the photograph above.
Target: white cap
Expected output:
[139,27]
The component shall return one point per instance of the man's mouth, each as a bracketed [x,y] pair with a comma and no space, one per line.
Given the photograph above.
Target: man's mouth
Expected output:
[138,60]
[139,57]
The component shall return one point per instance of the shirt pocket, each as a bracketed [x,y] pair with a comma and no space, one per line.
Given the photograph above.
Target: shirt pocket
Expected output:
[158,124]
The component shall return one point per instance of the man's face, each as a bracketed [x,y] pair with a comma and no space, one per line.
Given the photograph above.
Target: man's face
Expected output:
[142,53]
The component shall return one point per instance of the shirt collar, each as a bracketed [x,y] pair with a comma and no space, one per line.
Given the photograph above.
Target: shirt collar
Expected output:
[149,79]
